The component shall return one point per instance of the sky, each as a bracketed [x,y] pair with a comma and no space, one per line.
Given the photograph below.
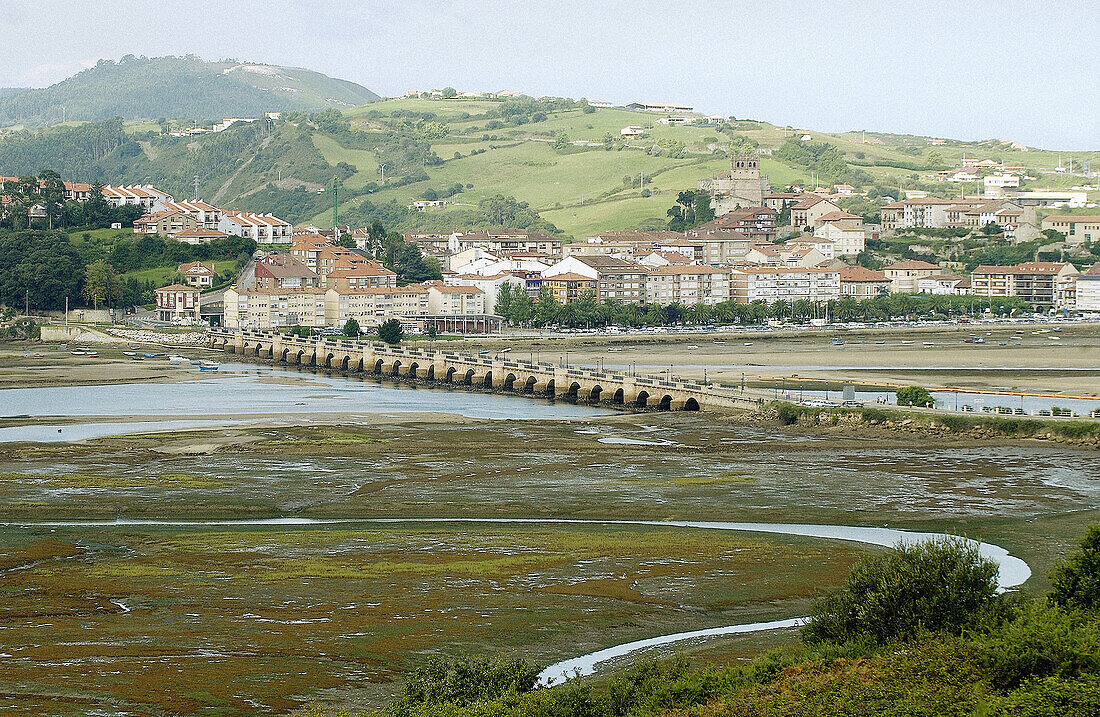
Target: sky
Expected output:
[1024,71]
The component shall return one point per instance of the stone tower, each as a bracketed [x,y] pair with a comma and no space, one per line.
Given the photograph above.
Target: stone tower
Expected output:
[745,180]
[742,186]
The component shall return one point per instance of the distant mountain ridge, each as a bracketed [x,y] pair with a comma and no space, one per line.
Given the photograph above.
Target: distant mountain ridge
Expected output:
[177,87]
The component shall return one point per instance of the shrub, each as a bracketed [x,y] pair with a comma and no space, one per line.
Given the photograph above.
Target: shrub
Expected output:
[1075,582]
[937,585]
[1042,641]
[351,328]
[462,681]
[915,396]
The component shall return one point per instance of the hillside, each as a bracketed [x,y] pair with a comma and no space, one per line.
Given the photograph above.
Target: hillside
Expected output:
[179,88]
[565,159]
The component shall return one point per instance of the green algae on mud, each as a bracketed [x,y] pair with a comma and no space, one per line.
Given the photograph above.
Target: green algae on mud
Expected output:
[373,601]
[245,619]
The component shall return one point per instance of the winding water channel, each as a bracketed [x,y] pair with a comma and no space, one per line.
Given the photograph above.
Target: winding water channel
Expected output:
[1012,570]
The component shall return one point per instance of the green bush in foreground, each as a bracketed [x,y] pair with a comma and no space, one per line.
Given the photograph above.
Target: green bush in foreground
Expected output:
[936,585]
[1075,583]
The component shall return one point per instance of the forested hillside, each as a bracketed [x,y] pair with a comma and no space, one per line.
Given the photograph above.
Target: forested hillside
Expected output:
[179,88]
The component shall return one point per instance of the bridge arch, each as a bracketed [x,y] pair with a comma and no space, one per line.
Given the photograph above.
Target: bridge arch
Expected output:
[345,363]
[328,360]
[467,378]
[642,401]
[414,367]
[665,404]
[529,384]
[377,366]
[617,397]
[430,375]
[509,382]
[396,367]
[594,393]
[487,382]
[691,404]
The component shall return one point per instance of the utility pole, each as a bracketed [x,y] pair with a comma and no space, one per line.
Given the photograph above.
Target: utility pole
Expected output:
[196,197]
[27,303]
[335,205]
[382,169]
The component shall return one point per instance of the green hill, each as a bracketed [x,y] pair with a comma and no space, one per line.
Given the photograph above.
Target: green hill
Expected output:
[564,159]
[180,88]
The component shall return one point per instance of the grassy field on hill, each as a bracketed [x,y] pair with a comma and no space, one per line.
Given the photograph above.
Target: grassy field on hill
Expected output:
[582,191]
[567,161]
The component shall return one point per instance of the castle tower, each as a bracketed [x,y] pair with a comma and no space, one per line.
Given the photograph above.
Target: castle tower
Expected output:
[746,184]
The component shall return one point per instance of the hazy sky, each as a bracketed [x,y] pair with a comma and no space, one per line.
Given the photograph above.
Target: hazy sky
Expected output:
[1027,71]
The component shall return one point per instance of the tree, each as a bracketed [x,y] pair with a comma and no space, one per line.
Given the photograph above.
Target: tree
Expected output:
[943,584]
[431,332]
[703,210]
[101,283]
[562,142]
[915,396]
[449,93]
[351,328]
[1075,582]
[40,268]
[391,332]
[504,302]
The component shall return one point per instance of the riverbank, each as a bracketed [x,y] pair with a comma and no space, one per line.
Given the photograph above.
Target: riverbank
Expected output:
[866,420]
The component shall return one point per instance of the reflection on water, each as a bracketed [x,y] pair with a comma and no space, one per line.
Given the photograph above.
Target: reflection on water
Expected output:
[245,390]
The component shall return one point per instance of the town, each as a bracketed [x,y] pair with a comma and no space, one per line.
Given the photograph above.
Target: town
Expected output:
[559,360]
[790,255]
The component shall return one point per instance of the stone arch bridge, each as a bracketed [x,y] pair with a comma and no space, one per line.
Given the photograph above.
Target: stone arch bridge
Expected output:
[539,379]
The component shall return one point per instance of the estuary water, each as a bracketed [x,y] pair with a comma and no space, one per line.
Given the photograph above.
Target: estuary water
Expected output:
[241,394]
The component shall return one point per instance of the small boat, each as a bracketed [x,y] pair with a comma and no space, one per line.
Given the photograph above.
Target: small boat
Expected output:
[63,347]
[92,354]
[929,343]
[692,347]
[880,342]
[78,353]
[128,353]
[176,360]
[1055,338]
[748,343]
[196,362]
[137,357]
[37,355]
[721,343]
[135,348]
[148,355]
[209,366]
[837,342]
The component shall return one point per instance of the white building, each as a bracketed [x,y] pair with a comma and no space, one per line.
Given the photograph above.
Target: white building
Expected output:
[848,238]
[144,195]
[687,285]
[771,283]
[263,228]
[489,285]
[1088,290]
[207,215]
